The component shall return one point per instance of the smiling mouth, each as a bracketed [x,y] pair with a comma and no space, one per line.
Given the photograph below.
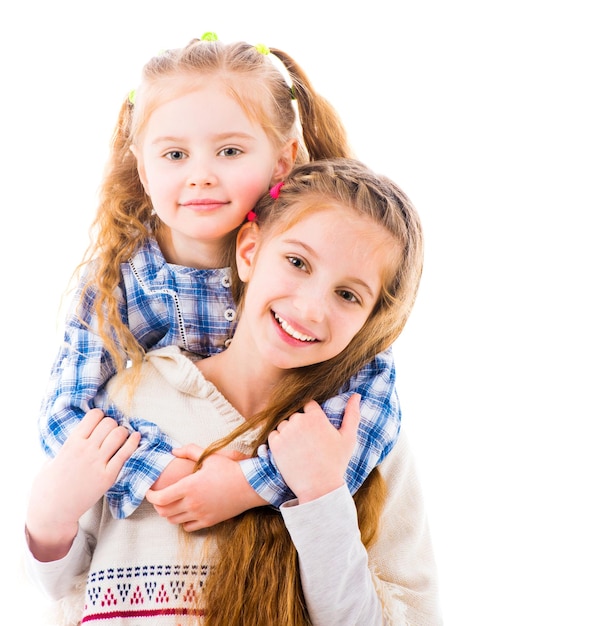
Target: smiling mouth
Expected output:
[291,332]
[204,204]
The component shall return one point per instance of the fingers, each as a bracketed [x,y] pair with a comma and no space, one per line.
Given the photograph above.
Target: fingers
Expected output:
[312,405]
[352,418]
[88,423]
[180,518]
[114,442]
[165,497]
[314,417]
[124,452]
[168,508]
[104,427]
[281,426]
[109,435]
[193,526]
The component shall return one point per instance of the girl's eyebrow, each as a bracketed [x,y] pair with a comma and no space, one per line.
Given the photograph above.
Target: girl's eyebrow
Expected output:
[218,137]
[310,251]
[233,135]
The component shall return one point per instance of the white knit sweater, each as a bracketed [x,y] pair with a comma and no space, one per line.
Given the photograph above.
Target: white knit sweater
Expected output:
[138,570]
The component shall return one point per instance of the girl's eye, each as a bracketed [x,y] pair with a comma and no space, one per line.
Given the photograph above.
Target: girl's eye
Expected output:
[230,152]
[175,155]
[348,296]
[297,262]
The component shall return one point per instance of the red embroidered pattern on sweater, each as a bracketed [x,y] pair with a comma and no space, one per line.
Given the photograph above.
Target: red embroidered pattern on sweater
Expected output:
[143,591]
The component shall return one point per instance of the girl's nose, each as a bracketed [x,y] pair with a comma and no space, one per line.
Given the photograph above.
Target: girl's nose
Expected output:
[311,303]
[201,175]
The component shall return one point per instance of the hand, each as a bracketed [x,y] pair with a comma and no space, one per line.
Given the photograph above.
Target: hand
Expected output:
[175,470]
[68,485]
[216,492]
[311,454]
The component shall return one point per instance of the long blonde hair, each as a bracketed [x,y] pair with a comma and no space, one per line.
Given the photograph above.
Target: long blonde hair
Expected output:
[255,578]
[125,218]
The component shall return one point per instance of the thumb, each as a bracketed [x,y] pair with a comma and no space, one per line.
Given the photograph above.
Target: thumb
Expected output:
[351,419]
[191,451]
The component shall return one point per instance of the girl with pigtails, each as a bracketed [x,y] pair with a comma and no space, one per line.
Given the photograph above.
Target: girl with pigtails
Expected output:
[325,273]
[209,130]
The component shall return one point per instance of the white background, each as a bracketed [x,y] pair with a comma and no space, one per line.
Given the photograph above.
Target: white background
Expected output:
[490,116]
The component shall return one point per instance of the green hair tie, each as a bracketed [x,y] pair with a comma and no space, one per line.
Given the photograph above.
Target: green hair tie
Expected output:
[262,49]
[209,36]
[132,96]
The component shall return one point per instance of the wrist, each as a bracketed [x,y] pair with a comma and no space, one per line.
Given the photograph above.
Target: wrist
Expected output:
[50,542]
[175,470]
[315,492]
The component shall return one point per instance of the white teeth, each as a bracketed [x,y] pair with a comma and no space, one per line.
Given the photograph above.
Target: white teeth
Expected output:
[290,331]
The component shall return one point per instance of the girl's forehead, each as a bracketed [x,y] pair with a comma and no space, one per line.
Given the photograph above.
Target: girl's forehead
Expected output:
[180,86]
[304,208]
[215,85]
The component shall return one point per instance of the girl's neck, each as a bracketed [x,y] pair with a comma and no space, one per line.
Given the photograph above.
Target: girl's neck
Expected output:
[190,252]
[241,378]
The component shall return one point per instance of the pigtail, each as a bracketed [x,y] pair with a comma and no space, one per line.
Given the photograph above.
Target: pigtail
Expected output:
[322,129]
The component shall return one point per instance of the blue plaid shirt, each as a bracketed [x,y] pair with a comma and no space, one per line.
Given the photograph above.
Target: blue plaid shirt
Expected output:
[163,305]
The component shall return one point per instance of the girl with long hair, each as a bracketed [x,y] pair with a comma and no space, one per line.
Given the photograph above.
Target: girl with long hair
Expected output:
[327,272]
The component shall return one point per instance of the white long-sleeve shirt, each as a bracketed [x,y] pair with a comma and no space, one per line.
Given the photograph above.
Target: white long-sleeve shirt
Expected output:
[136,570]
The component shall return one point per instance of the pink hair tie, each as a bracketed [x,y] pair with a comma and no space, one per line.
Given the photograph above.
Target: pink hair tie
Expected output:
[251,216]
[276,190]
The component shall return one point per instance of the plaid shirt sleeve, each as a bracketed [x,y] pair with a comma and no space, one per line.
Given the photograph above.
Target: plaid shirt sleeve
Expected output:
[378,431]
[162,305]
[81,369]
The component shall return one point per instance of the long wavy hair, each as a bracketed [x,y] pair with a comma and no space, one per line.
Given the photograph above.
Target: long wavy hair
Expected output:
[125,220]
[254,578]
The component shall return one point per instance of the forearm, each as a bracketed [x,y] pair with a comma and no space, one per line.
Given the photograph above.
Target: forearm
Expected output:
[216,492]
[337,583]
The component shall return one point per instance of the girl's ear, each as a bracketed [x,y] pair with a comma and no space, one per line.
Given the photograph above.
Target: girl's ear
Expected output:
[247,242]
[285,161]
[140,167]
